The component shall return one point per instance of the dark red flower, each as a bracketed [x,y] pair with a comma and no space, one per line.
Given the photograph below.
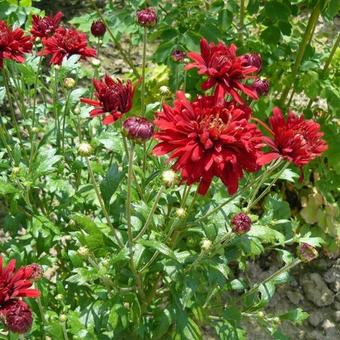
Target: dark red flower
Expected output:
[307,252]
[17,316]
[114,97]
[147,17]
[13,44]
[64,43]
[178,55]
[98,28]
[15,283]
[295,139]
[226,71]
[261,86]
[44,27]
[241,223]
[253,59]
[207,140]
[138,128]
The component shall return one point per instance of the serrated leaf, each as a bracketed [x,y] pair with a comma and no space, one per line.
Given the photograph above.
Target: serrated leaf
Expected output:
[295,315]
[7,188]
[110,183]
[161,247]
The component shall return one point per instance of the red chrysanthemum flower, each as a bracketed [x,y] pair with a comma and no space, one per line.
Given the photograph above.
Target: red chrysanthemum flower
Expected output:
[295,139]
[44,27]
[208,140]
[13,44]
[17,316]
[15,283]
[114,97]
[64,43]
[225,70]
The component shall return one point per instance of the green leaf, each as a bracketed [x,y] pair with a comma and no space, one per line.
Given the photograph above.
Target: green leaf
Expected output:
[7,188]
[276,10]
[295,315]
[161,247]
[289,175]
[266,234]
[110,183]
[271,35]
[22,3]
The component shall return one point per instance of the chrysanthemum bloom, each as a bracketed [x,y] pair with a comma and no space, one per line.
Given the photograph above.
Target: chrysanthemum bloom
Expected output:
[113,97]
[241,223]
[253,59]
[226,71]
[178,55]
[138,129]
[208,140]
[64,43]
[147,17]
[295,139]
[17,316]
[13,44]
[261,86]
[307,252]
[16,284]
[98,28]
[44,27]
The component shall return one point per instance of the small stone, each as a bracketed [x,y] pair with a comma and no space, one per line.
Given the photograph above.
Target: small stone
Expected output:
[315,318]
[315,335]
[316,290]
[337,316]
[330,330]
[337,296]
[336,305]
[294,297]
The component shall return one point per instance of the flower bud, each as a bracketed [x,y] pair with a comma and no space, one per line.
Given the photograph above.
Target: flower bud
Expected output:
[69,83]
[15,170]
[17,316]
[85,149]
[241,223]
[261,86]
[126,305]
[83,251]
[76,110]
[62,318]
[138,129]
[253,59]
[169,177]
[178,55]
[37,271]
[35,129]
[147,17]
[206,245]
[164,90]
[181,212]
[59,297]
[188,96]
[307,252]
[95,62]
[98,28]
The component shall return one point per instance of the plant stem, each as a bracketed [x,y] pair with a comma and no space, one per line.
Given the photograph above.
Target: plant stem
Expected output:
[143,72]
[42,316]
[102,204]
[150,216]
[241,21]
[63,326]
[272,276]
[64,121]
[268,187]
[128,199]
[306,38]
[118,45]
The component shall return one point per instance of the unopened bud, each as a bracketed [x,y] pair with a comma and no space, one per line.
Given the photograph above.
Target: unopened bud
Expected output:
[62,318]
[206,245]
[138,129]
[188,96]
[307,252]
[15,170]
[126,305]
[180,212]
[147,17]
[85,149]
[83,251]
[241,223]
[164,90]
[69,83]
[36,271]
[59,297]
[169,177]
[35,129]
[95,62]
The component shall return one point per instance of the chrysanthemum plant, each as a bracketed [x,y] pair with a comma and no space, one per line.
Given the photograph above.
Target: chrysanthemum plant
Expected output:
[152,220]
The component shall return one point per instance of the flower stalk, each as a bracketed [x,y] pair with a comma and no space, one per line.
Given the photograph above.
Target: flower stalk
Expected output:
[143,71]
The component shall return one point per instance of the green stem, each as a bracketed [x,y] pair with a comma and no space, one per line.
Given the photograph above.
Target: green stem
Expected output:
[128,199]
[143,72]
[63,326]
[264,193]
[42,316]
[64,121]
[102,204]
[150,216]
[273,276]
[306,38]
[118,45]
[55,106]
[241,21]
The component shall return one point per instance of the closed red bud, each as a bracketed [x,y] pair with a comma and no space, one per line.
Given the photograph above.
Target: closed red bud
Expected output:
[241,223]
[261,86]
[98,28]
[253,59]
[147,17]
[306,252]
[138,129]
[177,55]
